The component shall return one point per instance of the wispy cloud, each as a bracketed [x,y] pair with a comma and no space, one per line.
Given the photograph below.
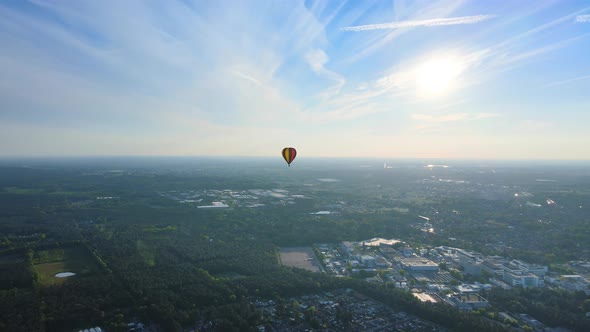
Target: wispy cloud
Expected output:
[571,80]
[317,59]
[485,116]
[508,54]
[540,28]
[424,23]
[440,118]
[534,125]
[543,50]
[191,77]
[407,78]
[154,75]
[370,44]
[452,117]
[399,85]
[350,112]
[246,77]
[440,123]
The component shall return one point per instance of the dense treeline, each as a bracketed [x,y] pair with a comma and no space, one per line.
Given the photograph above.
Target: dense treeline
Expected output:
[20,310]
[553,307]
[15,275]
[82,302]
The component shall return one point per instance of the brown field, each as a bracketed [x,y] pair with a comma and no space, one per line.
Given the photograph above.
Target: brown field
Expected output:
[300,257]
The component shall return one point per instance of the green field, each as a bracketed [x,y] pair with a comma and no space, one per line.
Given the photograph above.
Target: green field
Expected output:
[71,259]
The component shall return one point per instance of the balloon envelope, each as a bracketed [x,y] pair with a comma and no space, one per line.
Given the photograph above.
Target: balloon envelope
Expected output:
[289,155]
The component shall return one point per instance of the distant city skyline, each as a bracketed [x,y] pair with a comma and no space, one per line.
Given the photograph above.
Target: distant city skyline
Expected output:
[449,79]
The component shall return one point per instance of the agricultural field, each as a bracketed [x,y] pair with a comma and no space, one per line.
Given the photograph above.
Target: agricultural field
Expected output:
[76,260]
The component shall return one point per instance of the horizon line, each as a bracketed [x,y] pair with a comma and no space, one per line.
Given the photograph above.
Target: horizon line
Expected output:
[278,156]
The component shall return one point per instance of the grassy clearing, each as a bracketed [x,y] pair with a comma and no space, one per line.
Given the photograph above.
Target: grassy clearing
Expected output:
[72,259]
[158,228]
[146,252]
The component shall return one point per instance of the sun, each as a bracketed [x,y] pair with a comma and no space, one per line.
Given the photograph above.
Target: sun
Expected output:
[438,75]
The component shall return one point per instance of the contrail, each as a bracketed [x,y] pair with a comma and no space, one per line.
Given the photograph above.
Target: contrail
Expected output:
[424,23]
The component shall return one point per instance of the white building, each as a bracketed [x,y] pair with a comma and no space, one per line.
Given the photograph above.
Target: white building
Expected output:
[522,279]
[493,268]
[574,282]
[473,288]
[538,270]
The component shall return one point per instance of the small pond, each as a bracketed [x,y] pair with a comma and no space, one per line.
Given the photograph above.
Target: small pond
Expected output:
[65,274]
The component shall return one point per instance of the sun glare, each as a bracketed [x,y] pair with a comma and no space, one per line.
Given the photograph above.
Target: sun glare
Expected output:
[437,76]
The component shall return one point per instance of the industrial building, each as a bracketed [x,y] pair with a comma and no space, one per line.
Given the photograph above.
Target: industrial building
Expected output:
[418,264]
[468,301]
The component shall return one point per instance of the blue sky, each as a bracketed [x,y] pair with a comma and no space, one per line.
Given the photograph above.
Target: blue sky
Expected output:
[386,79]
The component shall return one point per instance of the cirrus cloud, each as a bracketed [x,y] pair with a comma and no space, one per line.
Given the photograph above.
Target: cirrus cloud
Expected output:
[424,23]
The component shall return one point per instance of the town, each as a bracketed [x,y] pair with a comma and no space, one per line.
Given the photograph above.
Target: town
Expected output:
[449,275]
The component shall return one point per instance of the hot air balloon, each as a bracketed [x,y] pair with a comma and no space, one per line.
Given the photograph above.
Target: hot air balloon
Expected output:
[289,155]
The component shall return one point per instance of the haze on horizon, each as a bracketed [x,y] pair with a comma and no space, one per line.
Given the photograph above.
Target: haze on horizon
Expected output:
[390,79]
